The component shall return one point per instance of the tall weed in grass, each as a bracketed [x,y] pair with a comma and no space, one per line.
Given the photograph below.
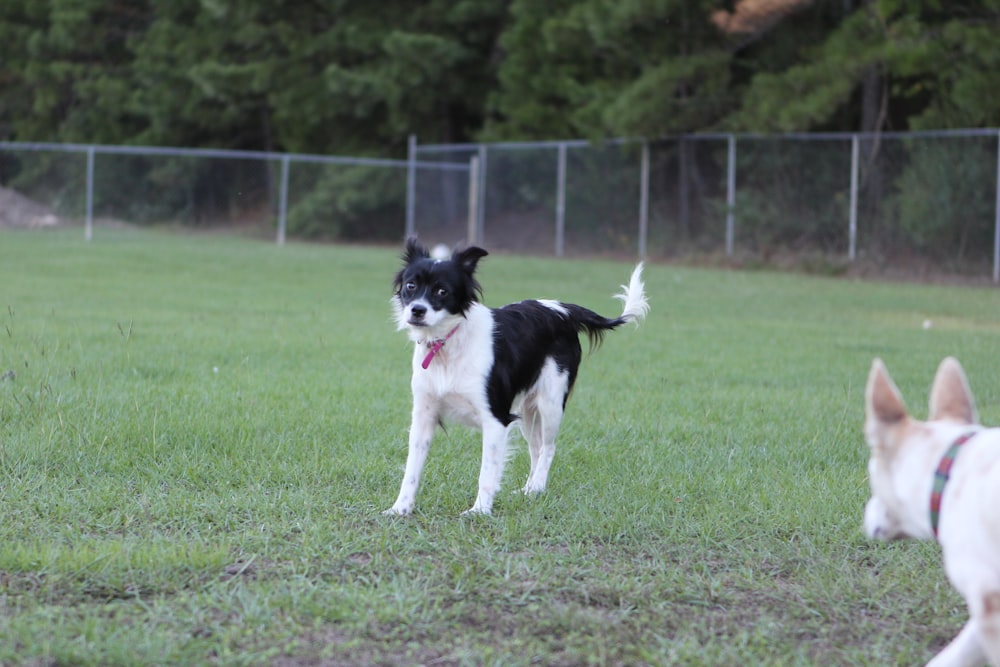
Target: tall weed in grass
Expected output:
[197,435]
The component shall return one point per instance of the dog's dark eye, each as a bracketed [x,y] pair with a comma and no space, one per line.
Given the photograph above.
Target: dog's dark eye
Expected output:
[410,286]
[440,292]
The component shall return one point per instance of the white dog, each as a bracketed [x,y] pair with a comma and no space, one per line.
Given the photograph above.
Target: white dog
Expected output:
[941,479]
[490,367]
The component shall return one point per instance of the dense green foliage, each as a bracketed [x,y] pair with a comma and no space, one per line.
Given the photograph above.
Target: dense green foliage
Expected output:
[358,77]
[345,77]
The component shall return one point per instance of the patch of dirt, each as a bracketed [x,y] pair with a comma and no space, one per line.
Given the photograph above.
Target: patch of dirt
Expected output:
[19,211]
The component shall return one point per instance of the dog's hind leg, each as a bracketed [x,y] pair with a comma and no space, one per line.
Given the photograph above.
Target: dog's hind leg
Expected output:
[541,425]
[530,424]
[542,441]
[990,627]
[491,469]
[963,651]
[979,640]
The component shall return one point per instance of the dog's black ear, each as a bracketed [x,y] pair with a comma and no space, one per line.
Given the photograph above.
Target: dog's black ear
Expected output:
[468,258]
[414,250]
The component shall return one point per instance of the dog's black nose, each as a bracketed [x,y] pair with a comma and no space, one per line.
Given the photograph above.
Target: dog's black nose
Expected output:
[417,311]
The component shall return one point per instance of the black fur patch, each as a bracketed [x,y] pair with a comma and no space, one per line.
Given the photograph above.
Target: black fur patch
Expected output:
[528,333]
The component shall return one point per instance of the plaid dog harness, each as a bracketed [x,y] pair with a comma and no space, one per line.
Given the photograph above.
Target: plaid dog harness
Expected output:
[941,476]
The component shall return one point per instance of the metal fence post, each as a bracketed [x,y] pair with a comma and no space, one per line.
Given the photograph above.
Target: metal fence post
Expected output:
[283,201]
[853,214]
[996,223]
[683,184]
[643,199]
[481,212]
[731,196]
[561,201]
[472,235]
[411,186]
[88,227]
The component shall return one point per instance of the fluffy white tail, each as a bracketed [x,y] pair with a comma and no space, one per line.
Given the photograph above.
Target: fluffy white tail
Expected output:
[633,298]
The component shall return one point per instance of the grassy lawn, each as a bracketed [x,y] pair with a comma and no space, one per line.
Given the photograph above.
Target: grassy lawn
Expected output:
[197,435]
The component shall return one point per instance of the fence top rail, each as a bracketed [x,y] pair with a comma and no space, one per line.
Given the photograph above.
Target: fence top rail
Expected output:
[516,145]
[844,136]
[718,136]
[231,154]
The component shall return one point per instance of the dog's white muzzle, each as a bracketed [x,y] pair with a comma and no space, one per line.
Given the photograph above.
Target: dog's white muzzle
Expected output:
[878,524]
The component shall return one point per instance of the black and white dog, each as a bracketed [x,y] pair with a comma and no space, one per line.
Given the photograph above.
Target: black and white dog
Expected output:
[490,367]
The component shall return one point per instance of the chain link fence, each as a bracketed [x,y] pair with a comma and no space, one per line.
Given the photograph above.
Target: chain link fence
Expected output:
[304,196]
[909,202]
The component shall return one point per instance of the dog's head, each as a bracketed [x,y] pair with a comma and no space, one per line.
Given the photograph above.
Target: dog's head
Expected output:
[892,434]
[431,295]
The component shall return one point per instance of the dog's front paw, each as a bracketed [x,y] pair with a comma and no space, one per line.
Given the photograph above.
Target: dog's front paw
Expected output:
[476,510]
[396,510]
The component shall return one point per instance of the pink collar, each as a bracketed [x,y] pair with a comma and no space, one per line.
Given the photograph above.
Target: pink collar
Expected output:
[435,347]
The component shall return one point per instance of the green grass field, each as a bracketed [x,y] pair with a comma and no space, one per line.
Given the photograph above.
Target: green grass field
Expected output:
[198,434]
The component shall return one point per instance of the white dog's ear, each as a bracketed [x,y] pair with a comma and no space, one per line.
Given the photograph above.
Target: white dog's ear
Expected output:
[883,402]
[950,394]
